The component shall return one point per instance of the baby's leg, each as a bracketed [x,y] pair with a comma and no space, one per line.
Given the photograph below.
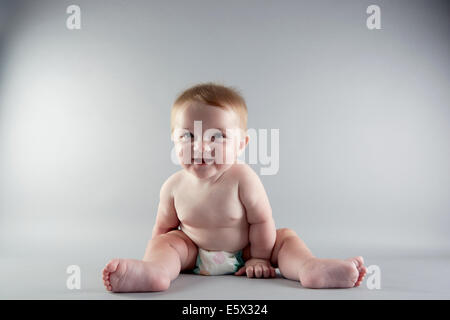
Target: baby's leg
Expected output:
[296,262]
[166,255]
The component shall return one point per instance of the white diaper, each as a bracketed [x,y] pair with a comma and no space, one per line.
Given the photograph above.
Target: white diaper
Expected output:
[214,263]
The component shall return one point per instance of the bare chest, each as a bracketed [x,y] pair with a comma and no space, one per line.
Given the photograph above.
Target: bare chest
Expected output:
[215,207]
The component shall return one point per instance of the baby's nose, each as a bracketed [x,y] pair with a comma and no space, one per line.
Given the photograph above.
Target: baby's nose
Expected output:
[202,146]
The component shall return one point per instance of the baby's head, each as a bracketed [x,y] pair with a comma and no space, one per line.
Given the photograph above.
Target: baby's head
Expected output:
[209,128]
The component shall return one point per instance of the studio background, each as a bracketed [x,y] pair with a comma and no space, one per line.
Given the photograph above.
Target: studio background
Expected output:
[363,118]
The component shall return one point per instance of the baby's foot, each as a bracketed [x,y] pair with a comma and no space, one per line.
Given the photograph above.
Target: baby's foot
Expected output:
[332,273]
[128,275]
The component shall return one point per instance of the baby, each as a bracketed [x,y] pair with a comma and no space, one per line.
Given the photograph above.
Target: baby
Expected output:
[214,216]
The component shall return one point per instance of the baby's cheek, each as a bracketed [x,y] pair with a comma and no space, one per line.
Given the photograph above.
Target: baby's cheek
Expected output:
[179,150]
[217,152]
[183,153]
[229,153]
[222,153]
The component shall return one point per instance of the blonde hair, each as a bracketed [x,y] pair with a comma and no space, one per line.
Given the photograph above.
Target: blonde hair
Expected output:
[213,94]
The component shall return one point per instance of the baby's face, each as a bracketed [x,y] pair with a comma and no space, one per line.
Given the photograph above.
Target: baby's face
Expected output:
[207,139]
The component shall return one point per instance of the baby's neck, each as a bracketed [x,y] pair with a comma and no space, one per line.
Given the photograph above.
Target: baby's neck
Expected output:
[206,181]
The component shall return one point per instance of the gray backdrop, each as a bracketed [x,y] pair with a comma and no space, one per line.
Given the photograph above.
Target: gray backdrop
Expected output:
[363,118]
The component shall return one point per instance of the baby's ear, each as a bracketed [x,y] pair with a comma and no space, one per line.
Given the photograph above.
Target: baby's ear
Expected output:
[244,142]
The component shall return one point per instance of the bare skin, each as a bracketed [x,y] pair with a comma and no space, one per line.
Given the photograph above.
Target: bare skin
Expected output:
[221,205]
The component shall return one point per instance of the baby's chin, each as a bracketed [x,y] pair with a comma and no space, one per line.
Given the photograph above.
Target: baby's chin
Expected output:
[205,171]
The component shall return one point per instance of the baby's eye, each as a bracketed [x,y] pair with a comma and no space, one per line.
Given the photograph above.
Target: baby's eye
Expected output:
[186,135]
[218,136]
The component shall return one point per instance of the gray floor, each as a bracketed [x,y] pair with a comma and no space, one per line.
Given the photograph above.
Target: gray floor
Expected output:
[419,277]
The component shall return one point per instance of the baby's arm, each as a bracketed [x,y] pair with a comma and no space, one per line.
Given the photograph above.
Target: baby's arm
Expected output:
[262,231]
[166,218]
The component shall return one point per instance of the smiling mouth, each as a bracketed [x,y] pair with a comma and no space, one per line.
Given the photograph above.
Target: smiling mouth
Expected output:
[203,162]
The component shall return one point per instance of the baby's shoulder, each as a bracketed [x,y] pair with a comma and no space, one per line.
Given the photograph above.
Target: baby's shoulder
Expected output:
[172,181]
[243,172]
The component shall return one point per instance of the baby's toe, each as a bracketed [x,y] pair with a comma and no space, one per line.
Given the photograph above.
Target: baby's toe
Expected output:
[358,261]
[112,265]
[362,273]
[107,284]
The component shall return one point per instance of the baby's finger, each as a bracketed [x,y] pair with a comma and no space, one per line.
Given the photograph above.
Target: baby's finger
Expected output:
[273,273]
[258,271]
[266,272]
[250,272]
[240,272]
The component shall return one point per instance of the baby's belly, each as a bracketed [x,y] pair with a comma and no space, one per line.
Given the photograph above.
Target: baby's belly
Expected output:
[228,239]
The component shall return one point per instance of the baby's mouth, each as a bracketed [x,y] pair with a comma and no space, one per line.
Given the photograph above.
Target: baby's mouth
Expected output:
[202,161]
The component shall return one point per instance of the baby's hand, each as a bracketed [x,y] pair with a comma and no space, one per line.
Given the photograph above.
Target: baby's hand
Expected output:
[257,267]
